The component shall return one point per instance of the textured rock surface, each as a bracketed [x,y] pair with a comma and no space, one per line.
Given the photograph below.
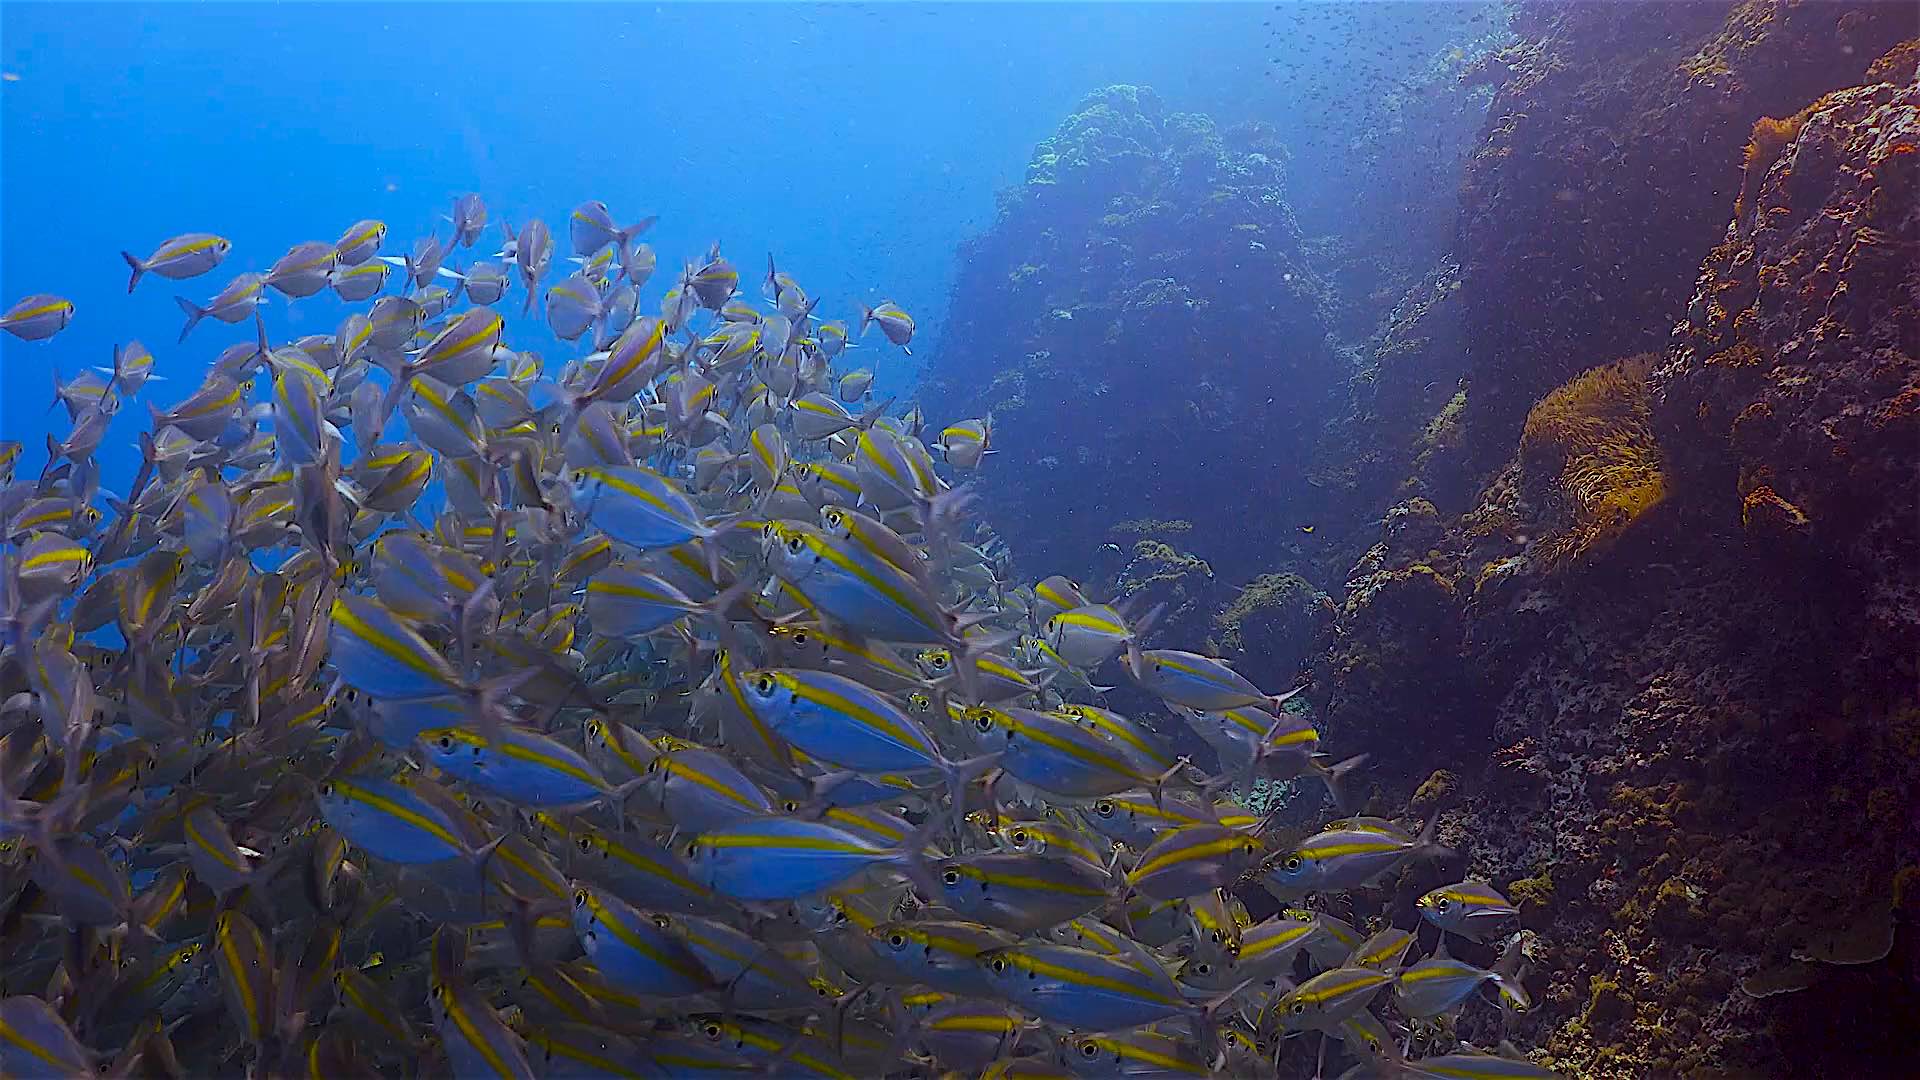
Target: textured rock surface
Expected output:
[1141,322]
[1641,617]
[1611,156]
[1689,750]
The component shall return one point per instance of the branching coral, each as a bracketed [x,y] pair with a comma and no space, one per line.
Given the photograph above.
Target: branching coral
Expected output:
[1594,439]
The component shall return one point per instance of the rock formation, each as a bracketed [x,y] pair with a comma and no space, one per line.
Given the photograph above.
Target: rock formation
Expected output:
[1141,323]
[1641,614]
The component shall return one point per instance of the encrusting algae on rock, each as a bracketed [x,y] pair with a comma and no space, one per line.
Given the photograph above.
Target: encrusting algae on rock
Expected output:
[1594,439]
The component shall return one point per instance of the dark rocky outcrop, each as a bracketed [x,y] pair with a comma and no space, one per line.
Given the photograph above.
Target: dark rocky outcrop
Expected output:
[1640,618]
[1672,644]
[1141,324]
[1611,155]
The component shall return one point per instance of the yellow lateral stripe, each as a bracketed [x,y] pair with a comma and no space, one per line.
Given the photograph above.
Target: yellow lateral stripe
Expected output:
[391,646]
[679,768]
[248,1006]
[1022,881]
[765,842]
[471,1032]
[1165,859]
[840,703]
[1081,978]
[405,814]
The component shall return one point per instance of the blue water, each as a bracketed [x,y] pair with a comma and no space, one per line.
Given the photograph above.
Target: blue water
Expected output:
[858,143]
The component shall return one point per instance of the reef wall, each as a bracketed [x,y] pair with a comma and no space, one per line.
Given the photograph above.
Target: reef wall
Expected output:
[1611,156]
[1632,479]
[1673,642]
[1141,323]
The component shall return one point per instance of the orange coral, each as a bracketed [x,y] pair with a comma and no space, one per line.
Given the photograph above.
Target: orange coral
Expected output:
[1770,139]
[1594,439]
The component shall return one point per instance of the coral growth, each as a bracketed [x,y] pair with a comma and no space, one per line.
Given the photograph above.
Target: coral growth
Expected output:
[1693,761]
[1594,439]
[1611,157]
[1144,300]
[1770,137]
[1272,624]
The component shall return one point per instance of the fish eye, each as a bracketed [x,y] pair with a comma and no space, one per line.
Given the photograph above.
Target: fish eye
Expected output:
[951,877]
[712,1030]
[791,805]
[939,660]
[654,765]
[999,964]
[1103,808]
[984,723]
[1203,969]
[1250,846]
[693,849]
[1292,864]
[800,638]
[1018,836]
[764,684]
[579,897]
[898,941]
[446,742]
[1089,1050]
[662,921]
[585,843]
[1216,936]
[794,545]
[326,789]
[1442,903]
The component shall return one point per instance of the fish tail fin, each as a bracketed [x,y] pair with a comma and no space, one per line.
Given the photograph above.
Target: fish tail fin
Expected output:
[1335,775]
[867,419]
[113,377]
[906,1028]
[478,858]
[139,268]
[1425,846]
[390,400]
[1506,973]
[194,314]
[1136,661]
[1205,1018]
[966,666]
[866,320]
[1278,701]
[959,774]
[637,230]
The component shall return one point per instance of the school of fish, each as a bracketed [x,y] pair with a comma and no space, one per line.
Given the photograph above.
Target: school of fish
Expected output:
[427,708]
